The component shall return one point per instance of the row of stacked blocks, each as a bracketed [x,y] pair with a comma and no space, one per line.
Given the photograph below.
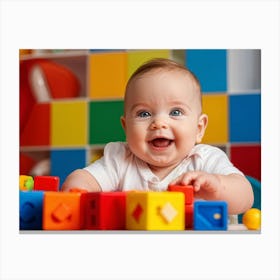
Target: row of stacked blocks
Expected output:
[44,207]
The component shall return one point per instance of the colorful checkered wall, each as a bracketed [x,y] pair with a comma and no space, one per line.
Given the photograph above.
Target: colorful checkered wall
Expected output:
[72,132]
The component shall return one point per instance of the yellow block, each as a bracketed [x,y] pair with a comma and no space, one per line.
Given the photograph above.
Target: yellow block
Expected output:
[107,75]
[26,183]
[155,211]
[216,107]
[137,58]
[69,123]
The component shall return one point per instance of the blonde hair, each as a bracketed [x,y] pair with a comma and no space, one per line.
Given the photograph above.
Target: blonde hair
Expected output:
[163,63]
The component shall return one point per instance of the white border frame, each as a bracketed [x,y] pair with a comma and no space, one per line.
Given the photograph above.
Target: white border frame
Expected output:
[139,24]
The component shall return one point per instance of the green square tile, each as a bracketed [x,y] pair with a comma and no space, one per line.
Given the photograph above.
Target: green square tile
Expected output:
[105,124]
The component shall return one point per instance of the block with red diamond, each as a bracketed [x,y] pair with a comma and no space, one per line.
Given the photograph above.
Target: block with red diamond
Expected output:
[103,210]
[155,211]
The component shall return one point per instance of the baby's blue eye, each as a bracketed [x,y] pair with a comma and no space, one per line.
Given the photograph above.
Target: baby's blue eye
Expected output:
[144,114]
[176,113]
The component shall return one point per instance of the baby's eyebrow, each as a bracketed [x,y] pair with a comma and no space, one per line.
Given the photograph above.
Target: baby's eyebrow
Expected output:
[141,104]
[179,104]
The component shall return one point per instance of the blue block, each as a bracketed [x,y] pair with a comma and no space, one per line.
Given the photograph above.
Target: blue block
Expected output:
[245,118]
[63,162]
[210,215]
[210,67]
[31,209]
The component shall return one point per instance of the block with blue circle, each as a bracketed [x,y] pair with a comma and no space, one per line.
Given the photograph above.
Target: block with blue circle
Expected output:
[210,215]
[245,118]
[210,67]
[31,209]
[63,162]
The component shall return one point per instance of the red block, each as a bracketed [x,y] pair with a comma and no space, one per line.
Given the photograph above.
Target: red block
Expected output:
[103,210]
[188,216]
[187,190]
[46,183]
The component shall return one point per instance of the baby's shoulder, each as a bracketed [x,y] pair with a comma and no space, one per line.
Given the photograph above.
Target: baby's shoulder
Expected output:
[205,150]
[117,149]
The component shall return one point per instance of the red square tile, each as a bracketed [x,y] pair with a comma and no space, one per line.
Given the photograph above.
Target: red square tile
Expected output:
[247,159]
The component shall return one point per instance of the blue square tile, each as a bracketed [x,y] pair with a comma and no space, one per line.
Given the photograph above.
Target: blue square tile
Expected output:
[210,67]
[245,118]
[210,215]
[31,210]
[63,162]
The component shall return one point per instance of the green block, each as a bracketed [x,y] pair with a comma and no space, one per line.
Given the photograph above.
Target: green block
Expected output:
[104,124]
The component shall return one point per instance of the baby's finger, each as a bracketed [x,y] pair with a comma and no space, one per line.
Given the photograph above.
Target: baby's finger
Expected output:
[185,179]
[198,183]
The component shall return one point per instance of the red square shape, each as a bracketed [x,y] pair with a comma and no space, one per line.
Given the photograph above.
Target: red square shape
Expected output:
[104,210]
[187,190]
[37,129]
[247,159]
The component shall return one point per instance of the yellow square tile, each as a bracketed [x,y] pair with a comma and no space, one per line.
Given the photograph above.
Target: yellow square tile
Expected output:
[69,123]
[216,107]
[107,75]
[155,211]
[137,58]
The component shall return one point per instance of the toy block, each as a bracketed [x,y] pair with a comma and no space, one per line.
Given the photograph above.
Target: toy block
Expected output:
[188,216]
[187,190]
[37,129]
[104,210]
[210,215]
[61,211]
[155,211]
[46,183]
[26,183]
[30,210]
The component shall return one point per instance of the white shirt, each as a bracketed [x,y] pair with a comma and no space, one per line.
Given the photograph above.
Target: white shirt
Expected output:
[120,170]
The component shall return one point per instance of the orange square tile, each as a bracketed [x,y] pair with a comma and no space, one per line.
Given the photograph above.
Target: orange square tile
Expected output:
[107,75]
[61,211]
[216,107]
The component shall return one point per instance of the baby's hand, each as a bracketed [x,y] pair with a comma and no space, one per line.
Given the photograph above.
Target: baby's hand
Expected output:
[206,186]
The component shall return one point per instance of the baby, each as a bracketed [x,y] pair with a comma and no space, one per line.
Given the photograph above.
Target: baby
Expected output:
[164,124]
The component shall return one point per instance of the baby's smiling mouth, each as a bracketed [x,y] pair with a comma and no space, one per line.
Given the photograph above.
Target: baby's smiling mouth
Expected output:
[161,142]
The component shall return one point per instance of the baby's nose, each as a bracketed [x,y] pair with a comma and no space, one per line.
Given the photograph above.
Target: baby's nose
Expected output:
[159,123]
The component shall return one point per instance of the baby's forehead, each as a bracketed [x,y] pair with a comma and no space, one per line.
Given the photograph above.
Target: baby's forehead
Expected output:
[176,73]
[194,93]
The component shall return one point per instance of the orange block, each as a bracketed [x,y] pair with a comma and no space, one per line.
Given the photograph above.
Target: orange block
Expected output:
[37,129]
[61,211]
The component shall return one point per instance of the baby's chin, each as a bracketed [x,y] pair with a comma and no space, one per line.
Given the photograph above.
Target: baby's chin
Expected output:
[162,164]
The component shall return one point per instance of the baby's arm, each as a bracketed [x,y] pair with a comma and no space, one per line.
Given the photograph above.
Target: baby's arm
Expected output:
[235,189]
[81,179]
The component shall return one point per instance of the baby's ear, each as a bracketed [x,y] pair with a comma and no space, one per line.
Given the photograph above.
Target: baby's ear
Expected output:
[123,122]
[201,127]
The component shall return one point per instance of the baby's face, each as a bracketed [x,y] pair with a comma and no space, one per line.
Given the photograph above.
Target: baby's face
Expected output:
[163,118]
